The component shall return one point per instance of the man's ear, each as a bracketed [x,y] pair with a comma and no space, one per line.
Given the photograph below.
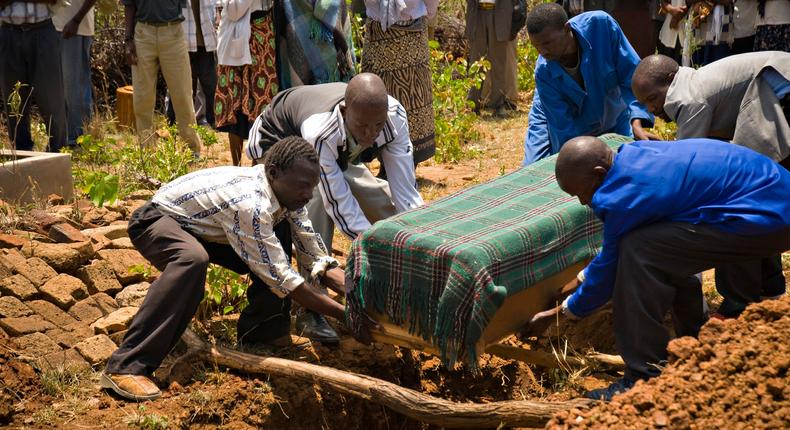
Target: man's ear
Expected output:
[671,77]
[272,172]
[343,109]
[600,173]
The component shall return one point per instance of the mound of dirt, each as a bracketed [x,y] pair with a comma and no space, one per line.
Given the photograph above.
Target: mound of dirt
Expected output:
[18,380]
[734,376]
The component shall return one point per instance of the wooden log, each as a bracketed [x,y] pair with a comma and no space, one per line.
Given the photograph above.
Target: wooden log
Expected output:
[124,106]
[411,403]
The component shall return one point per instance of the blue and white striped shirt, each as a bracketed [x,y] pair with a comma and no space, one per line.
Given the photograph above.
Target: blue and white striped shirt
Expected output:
[236,206]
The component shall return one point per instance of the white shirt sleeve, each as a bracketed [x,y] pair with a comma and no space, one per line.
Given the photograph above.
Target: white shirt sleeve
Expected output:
[397,157]
[339,203]
[251,236]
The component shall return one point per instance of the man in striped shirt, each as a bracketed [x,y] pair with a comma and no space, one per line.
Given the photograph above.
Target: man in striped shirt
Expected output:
[349,124]
[225,216]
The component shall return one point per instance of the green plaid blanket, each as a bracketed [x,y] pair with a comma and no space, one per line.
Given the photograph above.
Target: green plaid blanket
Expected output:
[444,269]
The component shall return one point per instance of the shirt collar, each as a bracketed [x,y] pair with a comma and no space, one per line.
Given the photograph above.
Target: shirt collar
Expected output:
[266,187]
[678,92]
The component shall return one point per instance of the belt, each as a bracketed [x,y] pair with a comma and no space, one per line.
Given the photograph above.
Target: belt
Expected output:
[161,24]
[26,26]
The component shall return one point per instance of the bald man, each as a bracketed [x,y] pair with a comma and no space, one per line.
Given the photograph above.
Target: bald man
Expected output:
[349,124]
[669,210]
[744,99]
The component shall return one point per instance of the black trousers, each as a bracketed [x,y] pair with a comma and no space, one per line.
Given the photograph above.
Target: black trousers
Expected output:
[173,298]
[655,273]
[204,73]
[31,55]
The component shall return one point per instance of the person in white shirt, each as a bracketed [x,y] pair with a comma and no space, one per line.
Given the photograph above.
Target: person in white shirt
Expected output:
[225,216]
[349,124]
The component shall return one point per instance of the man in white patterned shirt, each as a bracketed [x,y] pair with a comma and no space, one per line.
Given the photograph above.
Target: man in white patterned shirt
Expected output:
[30,55]
[225,216]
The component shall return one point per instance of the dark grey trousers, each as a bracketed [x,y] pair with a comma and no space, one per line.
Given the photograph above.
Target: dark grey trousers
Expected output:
[655,273]
[31,55]
[173,298]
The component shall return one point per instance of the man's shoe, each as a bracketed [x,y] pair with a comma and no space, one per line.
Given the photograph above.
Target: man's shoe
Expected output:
[315,327]
[289,340]
[137,388]
[617,387]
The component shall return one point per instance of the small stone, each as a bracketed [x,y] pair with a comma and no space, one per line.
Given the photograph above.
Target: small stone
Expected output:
[12,307]
[99,242]
[18,286]
[34,269]
[12,241]
[118,336]
[86,310]
[66,233]
[124,259]
[66,284]
[51,313]
[99,277]
[25,325]
[64,338]
[96,349]
[111,232]
[106,303]
[121,243]
[54,199]
[61,257]
[140,195]
[44,219]
[67,360]
[132,295]
[115,322]
[36,344]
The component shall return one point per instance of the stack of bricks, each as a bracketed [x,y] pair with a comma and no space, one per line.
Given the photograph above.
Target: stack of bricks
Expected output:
[68,295]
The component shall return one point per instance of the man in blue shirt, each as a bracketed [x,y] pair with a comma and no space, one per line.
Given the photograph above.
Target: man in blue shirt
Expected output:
[669,210]
[582,81]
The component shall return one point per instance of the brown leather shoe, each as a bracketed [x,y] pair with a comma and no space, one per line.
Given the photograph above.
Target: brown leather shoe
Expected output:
[137,388]
[289,340]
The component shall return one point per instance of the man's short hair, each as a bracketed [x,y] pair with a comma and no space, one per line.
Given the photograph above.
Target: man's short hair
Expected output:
[544,15]
[286,152]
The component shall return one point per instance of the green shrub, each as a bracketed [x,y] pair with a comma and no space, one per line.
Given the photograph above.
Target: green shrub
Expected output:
[453,113]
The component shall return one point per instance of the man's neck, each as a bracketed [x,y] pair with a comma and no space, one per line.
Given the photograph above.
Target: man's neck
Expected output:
[572,59]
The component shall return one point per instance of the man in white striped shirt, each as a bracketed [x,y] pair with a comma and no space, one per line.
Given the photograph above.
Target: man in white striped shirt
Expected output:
[225,216]
[349,124]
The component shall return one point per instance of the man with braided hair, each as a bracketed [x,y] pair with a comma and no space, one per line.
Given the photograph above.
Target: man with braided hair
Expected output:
[225,216]
[349,125]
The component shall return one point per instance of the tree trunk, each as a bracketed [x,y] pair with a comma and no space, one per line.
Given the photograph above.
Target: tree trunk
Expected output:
[410,403]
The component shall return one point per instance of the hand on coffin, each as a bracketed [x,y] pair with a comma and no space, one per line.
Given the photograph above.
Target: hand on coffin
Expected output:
[362,335]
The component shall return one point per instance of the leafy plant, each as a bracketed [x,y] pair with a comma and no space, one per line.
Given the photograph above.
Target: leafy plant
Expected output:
[453,113]
[100,187]
[226,291]
[144,421]
[527,58]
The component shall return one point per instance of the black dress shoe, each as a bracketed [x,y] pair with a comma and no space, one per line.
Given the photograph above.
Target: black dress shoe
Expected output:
[315,327]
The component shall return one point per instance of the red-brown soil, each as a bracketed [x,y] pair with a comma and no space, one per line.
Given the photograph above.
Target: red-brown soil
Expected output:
[734,376]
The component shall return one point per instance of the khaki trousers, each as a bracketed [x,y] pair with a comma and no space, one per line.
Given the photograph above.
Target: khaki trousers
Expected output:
[501,83]
[163,48]
[372,194]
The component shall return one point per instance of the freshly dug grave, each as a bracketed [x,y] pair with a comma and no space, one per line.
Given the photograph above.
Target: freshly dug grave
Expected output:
[734,376]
